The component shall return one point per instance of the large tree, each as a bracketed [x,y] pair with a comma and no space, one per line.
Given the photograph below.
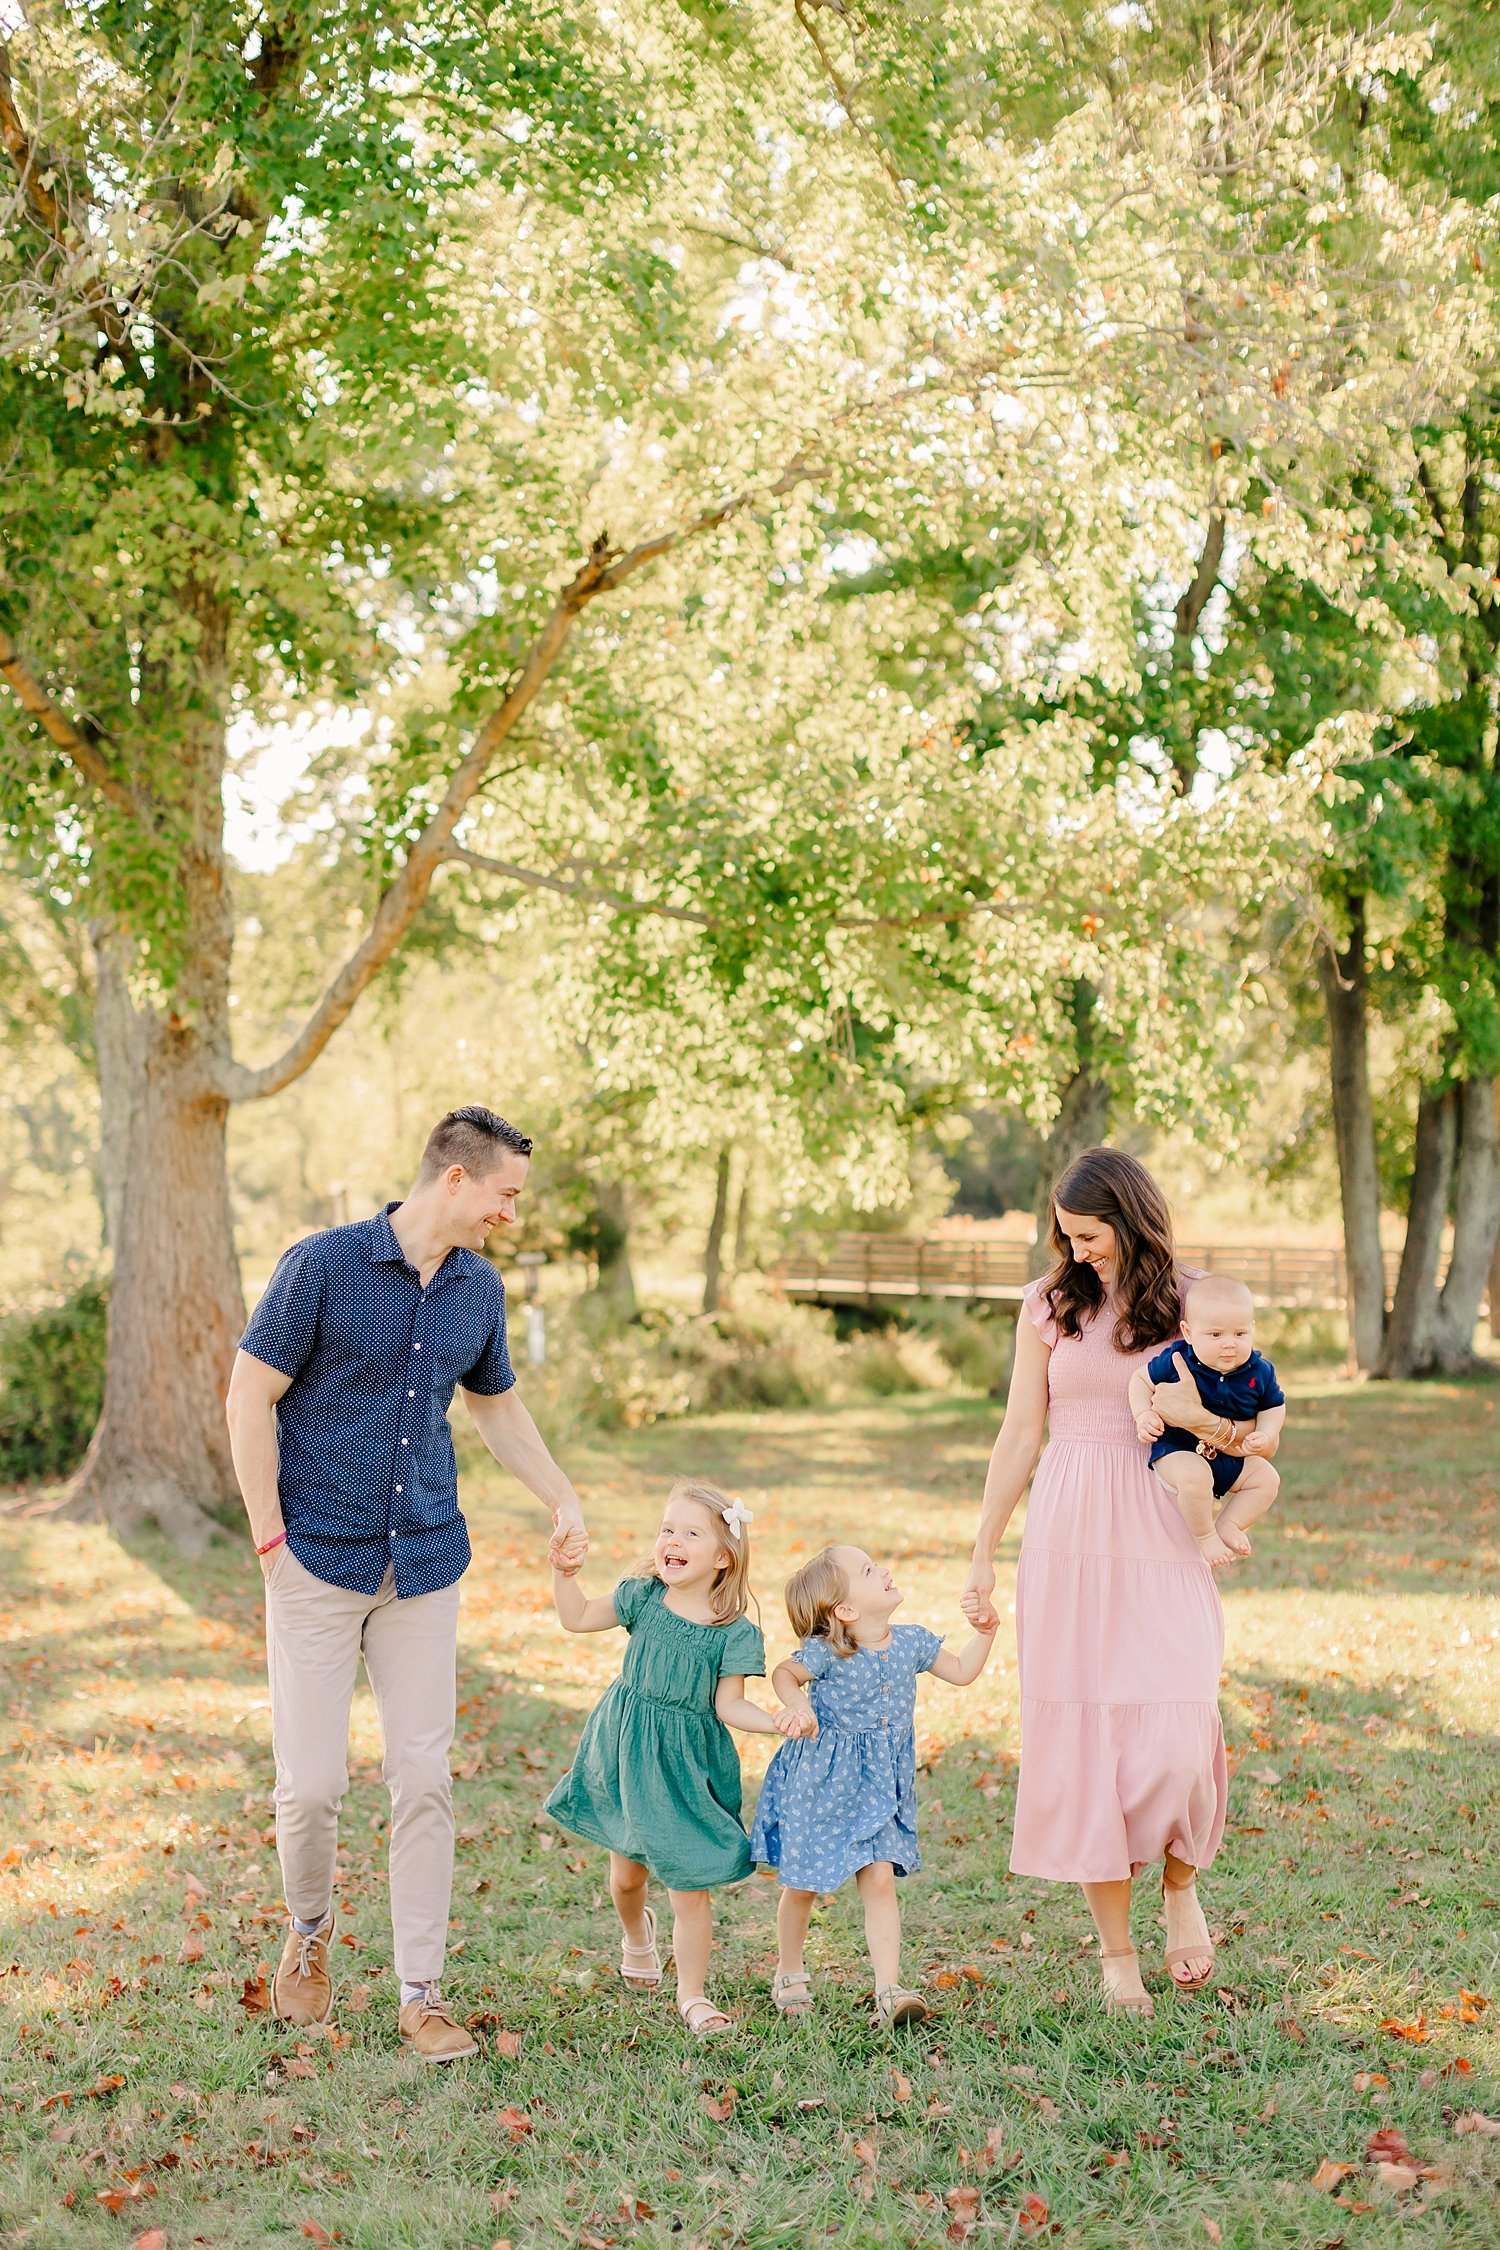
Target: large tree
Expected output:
[525,381]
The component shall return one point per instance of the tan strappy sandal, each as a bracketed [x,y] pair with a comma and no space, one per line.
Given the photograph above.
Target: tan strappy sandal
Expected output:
[897,2004]
[640,1965]
[1122,2003]
[1179,1953]
[710,2023]
[793,1993]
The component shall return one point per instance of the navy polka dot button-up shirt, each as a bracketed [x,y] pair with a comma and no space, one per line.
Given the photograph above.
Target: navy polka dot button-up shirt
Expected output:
[367,1474]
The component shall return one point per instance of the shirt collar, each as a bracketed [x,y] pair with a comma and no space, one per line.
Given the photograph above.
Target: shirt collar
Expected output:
[386,1250]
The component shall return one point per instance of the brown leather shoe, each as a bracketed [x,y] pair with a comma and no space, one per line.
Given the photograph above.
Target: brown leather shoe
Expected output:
[431,2030]
[302,1990]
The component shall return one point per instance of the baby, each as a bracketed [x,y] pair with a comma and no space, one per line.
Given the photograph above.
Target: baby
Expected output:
[1237,1384]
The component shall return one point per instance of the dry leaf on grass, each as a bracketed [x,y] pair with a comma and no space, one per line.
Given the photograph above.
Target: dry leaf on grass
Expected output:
[1329,2175]
[1416,2034]
[508,2044]
[155,2238]
[1034,2214]
[191,1949]
[515,2121]
[1212,2229]
[315,2233]
[121,2198]
[1388,2146]
[721,2108]
[1475,2121]
[255,1999]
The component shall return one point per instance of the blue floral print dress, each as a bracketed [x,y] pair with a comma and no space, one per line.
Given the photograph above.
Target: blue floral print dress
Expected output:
[847,1798]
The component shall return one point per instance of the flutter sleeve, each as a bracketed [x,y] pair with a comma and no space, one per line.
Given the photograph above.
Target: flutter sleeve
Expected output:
[1039,1312]
[815,1656]
[631,1597]
[742,1650]
[925,1646]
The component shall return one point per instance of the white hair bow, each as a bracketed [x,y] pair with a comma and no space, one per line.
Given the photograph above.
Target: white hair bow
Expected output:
[736,1516]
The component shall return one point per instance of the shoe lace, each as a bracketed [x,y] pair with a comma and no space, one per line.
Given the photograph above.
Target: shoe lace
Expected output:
[306,1940]
[432,2003]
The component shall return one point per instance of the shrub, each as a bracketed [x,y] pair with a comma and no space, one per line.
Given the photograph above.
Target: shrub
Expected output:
[51,1385]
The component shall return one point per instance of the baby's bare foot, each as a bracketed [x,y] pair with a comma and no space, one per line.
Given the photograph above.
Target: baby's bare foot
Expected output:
[1233,1534]
[1215,1551]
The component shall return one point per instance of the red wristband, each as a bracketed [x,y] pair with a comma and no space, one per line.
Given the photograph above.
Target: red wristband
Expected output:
[270,1543]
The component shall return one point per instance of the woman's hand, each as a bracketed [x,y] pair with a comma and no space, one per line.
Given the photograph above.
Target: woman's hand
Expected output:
[1178,1403]
[975,1600]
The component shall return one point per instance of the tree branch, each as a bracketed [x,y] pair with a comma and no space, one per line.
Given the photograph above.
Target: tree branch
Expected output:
[534,880]
[601,572]
[78,743]
[1190,609]
[845,92]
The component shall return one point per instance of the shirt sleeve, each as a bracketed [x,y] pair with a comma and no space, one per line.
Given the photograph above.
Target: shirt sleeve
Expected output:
[1272,1393]
[1039,1312]
[1161,1369]
[631,1597]
[816,1657]
[283,1328]
[742,1650]
[929,1645]
[492,1372]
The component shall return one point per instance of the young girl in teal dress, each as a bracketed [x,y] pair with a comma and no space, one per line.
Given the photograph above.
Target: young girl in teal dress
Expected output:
[656,1777]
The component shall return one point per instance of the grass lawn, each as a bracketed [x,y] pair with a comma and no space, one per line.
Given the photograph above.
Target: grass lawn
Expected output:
[1356,1899]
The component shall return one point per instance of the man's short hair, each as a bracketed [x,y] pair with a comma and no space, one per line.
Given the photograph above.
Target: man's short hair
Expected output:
[474,1137]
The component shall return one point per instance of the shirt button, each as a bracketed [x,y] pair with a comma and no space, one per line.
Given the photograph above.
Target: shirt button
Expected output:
[400,1488]
[411,1394]
[416,1347]
[406,1441]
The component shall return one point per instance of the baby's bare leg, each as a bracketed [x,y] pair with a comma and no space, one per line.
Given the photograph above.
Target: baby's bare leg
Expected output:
[1250,1495]
[1190,1480]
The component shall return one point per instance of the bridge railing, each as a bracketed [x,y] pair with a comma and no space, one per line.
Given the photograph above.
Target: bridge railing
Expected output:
[872,1269]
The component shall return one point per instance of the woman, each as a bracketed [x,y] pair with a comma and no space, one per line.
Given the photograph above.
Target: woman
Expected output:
[1118,1620]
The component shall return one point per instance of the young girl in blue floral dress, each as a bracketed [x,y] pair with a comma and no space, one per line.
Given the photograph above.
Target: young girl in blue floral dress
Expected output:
[656,1778]
[845,1802]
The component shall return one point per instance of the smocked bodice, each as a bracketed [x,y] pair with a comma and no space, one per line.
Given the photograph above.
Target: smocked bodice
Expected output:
[1087,1379]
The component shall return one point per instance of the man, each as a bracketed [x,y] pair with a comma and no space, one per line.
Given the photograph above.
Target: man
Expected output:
[338,1410]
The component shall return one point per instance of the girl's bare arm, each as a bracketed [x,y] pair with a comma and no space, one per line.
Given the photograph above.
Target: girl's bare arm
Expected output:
[736,1710]
[962,1667]
[577,1613]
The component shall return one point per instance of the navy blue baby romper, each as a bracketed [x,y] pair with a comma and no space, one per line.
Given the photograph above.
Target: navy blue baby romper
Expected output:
[1240,1395]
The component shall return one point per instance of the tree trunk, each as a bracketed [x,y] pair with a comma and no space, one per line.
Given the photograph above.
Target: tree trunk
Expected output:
[1476,1216]
[1082,1120]
[1345,988]
[713,1254]
[176,1311]
[616,1281]
[742,1218]
[1408,1345]
[175,1308]
[119,1056]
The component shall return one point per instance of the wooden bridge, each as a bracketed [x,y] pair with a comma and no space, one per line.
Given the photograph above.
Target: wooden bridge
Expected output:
[876,1269]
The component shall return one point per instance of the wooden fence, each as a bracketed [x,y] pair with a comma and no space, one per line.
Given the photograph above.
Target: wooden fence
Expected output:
[871,1269]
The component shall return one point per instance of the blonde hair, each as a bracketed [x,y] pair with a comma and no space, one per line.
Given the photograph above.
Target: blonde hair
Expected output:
[812,1595]
[729,1596]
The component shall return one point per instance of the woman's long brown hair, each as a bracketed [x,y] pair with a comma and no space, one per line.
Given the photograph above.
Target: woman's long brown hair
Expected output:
[1105,1183]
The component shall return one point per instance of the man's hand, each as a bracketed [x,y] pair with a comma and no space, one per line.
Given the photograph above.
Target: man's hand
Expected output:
[569,1544]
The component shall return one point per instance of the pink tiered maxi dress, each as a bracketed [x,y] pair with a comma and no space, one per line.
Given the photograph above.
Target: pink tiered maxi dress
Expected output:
[1120,1634]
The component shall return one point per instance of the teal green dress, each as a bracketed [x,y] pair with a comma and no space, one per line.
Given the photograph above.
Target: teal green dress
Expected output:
[657,1776]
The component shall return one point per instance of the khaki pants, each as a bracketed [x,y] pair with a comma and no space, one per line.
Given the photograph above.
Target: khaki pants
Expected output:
[315,1636]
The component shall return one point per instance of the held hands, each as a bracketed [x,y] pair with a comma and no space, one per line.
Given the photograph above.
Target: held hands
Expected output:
[975,1601]
[569,1544]
[794,1724]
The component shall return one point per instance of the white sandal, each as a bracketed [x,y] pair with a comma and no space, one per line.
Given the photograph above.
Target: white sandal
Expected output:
[640,1965]
[711,2025]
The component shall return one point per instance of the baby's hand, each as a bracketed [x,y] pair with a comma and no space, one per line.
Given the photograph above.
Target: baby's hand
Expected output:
[1257,1441]
[1148,1425]
[794,1724]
